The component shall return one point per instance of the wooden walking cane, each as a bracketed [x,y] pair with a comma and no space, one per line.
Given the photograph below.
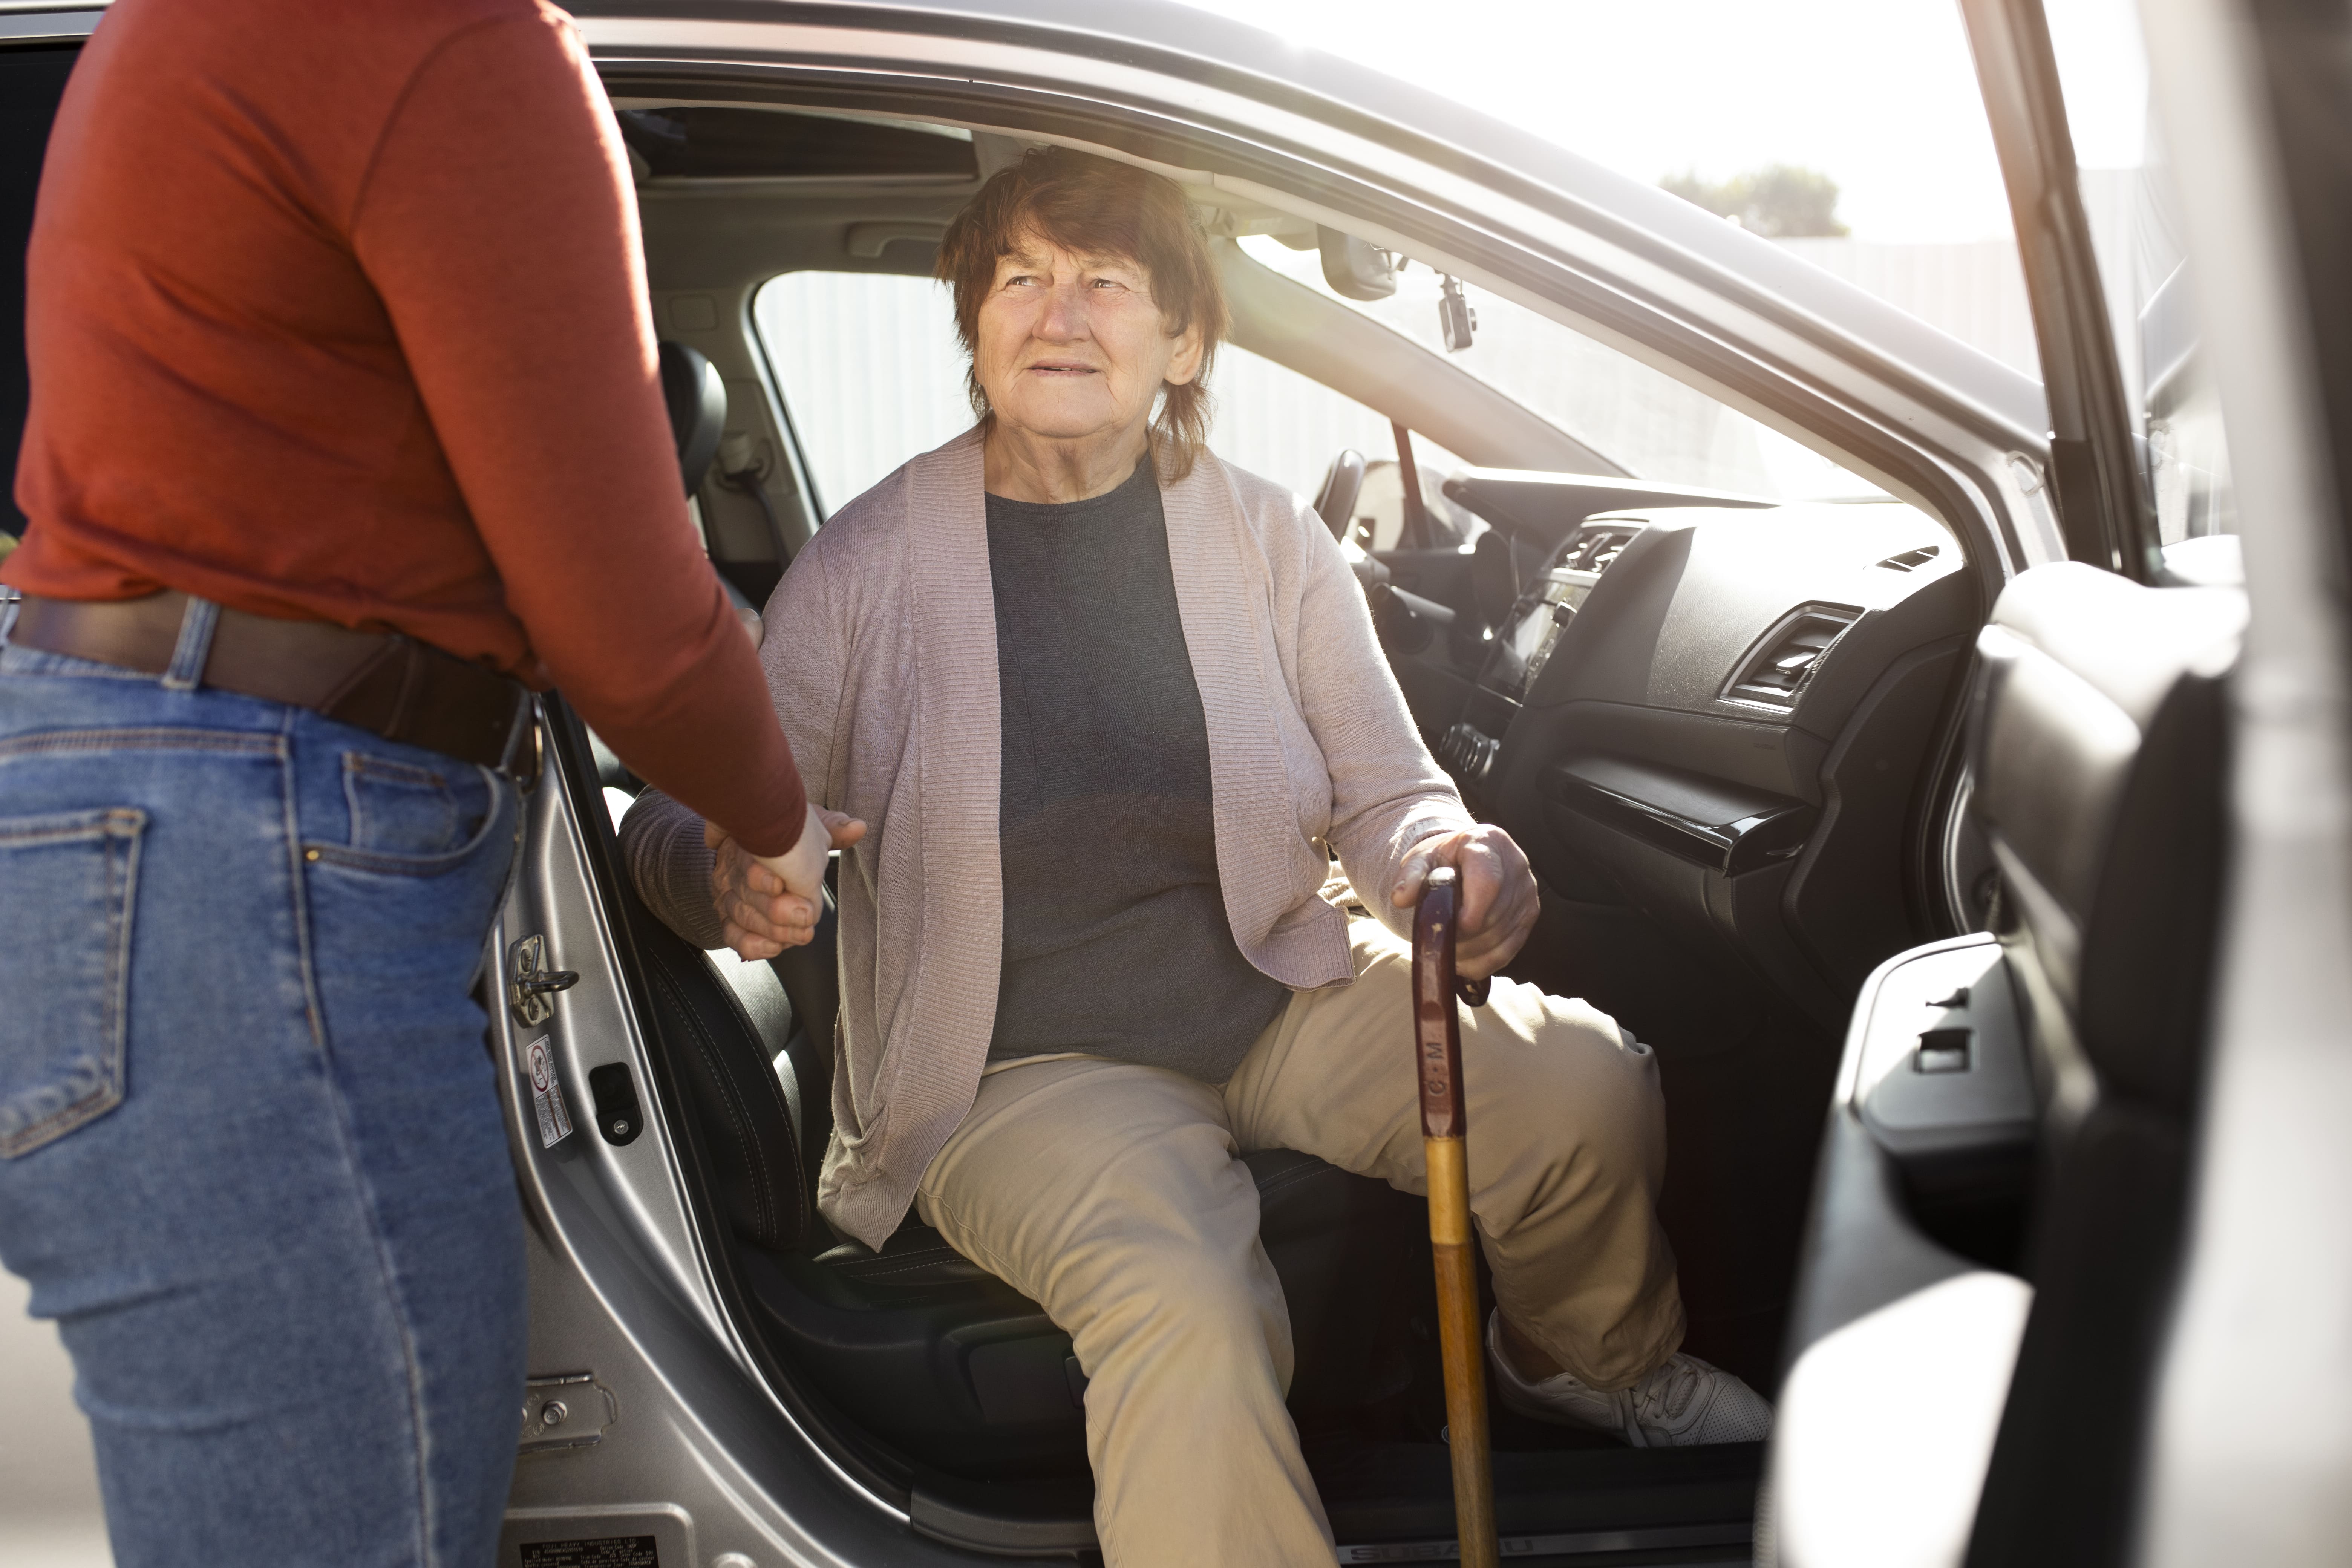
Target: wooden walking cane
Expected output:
[1437,1047]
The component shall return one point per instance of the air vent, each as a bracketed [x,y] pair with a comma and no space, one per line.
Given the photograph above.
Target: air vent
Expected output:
[1911,559]
[1776,671]
[1592,549]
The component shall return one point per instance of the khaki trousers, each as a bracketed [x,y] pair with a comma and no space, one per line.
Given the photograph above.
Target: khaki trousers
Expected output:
[1113,1195]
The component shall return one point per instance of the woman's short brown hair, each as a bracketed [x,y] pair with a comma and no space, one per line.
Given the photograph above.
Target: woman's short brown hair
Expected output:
[1094,207]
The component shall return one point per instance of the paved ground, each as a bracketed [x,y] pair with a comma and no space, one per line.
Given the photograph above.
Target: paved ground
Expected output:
[48,1489]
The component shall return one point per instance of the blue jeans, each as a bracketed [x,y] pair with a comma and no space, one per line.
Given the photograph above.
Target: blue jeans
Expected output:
[251,1155]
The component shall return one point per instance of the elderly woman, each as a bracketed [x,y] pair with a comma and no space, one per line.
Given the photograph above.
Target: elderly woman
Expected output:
[1106,708]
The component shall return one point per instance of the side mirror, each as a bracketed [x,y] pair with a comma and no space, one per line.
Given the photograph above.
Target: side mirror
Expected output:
[1355,269]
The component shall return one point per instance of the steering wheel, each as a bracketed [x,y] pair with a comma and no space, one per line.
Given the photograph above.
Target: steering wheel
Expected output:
[1335,503]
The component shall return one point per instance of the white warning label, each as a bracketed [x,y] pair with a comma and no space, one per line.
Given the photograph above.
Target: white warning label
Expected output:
[547,1093]
[605,1551]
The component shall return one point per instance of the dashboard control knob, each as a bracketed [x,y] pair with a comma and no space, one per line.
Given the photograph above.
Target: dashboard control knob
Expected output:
[1467,755]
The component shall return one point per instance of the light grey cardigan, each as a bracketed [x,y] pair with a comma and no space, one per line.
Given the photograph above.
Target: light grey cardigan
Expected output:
[881,656]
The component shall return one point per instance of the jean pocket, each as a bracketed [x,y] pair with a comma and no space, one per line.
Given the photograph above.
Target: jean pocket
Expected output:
[413,822]
[401,810]
[65,965]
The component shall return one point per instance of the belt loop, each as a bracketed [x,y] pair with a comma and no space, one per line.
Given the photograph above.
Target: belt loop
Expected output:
[195,649]
[11,602]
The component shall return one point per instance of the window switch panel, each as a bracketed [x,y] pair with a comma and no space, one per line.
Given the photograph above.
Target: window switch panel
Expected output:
[1942,1050]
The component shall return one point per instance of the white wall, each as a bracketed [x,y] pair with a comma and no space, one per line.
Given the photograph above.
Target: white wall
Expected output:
[869,369]
[1975,292]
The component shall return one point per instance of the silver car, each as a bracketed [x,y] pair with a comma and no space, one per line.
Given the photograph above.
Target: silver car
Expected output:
[1906,748]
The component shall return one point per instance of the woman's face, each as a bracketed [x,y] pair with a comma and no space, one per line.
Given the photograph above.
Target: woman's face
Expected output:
[1071,347]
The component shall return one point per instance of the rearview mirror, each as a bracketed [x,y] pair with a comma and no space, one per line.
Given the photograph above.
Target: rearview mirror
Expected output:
[1355,269]
[1455,319]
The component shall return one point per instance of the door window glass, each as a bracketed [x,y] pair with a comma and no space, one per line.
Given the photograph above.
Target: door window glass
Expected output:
[869,370]
[871,373]
[1274,421]
[2137,235]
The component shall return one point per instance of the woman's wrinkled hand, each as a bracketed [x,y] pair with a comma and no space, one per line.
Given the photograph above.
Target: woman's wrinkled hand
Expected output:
[1499,902]
[768,904]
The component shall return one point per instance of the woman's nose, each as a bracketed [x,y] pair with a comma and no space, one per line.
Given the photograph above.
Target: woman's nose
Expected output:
[1064,317]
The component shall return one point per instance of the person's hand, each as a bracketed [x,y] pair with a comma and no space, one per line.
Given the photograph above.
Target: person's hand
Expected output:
[1499,903]
[771,903]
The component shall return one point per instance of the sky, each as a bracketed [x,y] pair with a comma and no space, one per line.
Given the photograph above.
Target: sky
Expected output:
[1878,94]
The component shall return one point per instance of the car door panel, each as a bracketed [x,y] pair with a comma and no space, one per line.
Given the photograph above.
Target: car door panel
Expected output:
[2022,1098]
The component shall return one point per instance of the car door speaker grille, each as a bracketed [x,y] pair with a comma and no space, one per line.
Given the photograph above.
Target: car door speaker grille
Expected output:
[1777,670]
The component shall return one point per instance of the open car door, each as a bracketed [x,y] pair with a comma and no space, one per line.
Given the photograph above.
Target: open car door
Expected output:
[2009,1343]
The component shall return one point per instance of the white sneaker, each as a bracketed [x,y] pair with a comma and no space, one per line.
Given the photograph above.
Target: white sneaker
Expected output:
[1683,1403]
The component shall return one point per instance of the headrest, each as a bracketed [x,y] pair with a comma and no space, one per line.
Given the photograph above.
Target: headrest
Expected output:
[697,409]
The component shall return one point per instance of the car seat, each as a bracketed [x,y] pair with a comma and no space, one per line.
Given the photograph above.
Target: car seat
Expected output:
[696,399]
[927,1350]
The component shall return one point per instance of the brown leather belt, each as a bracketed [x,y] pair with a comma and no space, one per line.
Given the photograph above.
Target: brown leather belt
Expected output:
[390,685]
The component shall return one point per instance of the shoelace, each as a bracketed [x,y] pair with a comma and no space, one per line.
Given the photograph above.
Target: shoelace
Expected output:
[1661,1398]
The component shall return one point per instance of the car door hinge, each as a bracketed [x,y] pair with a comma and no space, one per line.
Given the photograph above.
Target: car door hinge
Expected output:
[569,1410]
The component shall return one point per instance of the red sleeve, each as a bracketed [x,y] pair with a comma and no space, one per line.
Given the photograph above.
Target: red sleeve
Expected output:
[498,223]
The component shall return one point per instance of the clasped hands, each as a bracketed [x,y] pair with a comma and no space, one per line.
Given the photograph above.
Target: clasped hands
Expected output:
[771,902]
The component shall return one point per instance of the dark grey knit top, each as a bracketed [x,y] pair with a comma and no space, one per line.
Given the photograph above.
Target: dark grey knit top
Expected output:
[1116,937]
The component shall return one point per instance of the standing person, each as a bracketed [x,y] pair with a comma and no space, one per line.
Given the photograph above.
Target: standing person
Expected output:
[345,429]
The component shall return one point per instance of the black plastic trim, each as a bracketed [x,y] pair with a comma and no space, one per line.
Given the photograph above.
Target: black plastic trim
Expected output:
[2095,475]
[972,1516]
[1747,844]
[1861,1248]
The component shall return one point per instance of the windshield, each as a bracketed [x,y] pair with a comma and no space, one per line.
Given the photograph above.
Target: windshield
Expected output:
[1643,420]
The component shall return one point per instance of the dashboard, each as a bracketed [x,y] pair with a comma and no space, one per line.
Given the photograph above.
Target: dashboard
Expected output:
[1718,711]
[1530,633]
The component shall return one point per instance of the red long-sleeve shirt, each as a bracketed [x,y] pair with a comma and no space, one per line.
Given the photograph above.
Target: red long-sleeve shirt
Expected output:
[339,312]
